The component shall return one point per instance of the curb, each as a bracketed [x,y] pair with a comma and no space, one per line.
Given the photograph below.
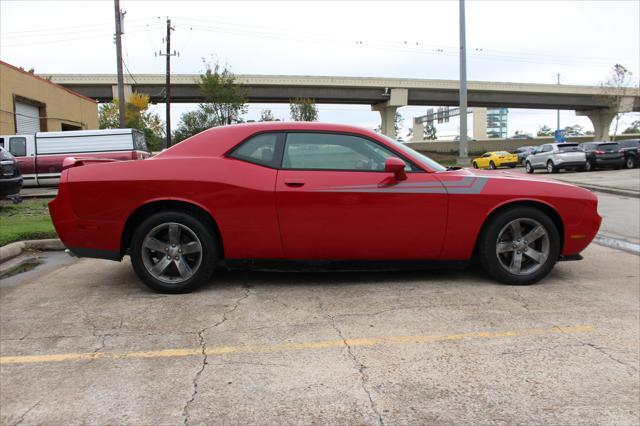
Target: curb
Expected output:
[608,190]
[15,249]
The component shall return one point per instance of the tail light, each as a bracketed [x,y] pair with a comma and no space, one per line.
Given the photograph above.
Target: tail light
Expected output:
[598,152]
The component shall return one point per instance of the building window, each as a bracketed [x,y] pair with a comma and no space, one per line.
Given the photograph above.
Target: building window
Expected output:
[69,127]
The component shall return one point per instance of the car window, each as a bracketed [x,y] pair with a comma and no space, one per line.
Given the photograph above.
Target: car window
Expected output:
[502,153]
[632,143]
[259,149]
[488,154]
[18,146]
[326,151]
[568,147]
[609,146]
[547,148]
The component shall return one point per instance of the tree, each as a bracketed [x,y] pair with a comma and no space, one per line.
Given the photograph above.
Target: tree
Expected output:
[303,109]
[430,132]
[137,116]
[634,128]
[544,131]
[224,103]
[575,130]
[267,115]
[521,133]
[616,87]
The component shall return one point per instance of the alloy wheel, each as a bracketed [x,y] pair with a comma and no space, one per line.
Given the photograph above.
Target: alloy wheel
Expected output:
[171,252]
[523,246]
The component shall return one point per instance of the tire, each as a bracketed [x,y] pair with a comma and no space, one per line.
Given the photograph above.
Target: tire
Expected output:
[551,168]
[512,166]
[492,166]
[498,229]
[528,168]
[184,272]
[475,165]
[589,167]
[630,163]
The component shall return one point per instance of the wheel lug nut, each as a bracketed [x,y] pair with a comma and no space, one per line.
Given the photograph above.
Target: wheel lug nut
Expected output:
[169,257]
[173,245]
[180,251]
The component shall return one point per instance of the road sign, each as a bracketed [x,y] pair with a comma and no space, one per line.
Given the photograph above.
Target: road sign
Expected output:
[559,135]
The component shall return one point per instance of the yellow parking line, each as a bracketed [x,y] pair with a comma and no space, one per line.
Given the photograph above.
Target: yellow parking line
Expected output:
[282,347]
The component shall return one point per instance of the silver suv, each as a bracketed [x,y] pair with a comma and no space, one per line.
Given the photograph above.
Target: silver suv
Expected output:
[556,156]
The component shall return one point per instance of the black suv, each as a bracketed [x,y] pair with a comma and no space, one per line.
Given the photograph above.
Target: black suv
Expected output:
[602,155]
[630,149]
[10,177]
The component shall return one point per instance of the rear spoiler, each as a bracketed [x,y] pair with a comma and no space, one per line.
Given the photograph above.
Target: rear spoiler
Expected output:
[70,162]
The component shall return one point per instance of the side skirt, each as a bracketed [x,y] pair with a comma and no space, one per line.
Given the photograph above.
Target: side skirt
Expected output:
[95,253]
[341,265]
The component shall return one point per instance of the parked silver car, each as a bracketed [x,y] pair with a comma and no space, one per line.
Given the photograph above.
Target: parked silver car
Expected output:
[556,156]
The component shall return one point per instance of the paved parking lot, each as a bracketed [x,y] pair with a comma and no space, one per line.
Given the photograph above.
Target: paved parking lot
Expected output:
[85,343]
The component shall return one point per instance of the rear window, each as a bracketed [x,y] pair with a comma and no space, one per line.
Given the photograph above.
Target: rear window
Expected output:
[503,153]
[629,144]
[609,146]
[569,147]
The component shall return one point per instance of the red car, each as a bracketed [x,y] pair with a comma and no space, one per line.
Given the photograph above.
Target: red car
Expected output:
[325,195]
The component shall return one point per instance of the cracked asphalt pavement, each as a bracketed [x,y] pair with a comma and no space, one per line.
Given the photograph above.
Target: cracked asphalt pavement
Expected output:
[85,343]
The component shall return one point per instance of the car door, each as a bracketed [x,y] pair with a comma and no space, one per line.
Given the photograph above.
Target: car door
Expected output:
[336,202]
[542,157]
[483,161]
[22,148]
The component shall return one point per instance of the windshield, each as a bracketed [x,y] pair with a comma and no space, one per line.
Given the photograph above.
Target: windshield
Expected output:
[433,165]
[139,141]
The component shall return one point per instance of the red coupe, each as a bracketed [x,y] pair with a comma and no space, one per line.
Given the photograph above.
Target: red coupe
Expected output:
[322,195]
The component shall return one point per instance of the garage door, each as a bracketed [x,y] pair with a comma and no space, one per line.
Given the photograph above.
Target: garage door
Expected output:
[27,118]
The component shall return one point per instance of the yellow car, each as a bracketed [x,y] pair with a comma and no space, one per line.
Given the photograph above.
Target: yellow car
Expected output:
[495,159]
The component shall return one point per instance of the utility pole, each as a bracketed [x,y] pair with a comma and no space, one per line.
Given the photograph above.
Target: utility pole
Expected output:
[167,89]
[121,100]
[463,158]
[558,111]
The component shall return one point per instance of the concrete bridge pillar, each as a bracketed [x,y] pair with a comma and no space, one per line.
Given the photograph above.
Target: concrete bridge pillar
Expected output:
[602,118]
[127,91]
[388,109]
[418,131]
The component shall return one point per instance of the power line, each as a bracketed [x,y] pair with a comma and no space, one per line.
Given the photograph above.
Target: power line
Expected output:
[403,45]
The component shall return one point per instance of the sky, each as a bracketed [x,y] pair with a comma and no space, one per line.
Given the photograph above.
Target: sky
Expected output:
[511,41]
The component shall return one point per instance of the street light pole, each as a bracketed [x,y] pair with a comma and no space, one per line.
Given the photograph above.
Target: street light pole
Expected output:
[463,158]
[558,111]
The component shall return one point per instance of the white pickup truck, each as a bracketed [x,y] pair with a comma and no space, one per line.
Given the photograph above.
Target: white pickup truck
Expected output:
[40,155]
[556,156]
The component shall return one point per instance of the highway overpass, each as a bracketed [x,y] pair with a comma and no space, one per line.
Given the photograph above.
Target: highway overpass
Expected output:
[383,94]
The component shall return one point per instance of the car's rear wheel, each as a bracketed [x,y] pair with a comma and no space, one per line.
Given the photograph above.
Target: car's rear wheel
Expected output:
[528,167]
[173,252]
[492,165]
[630,163]
[519,246]
[589,166]
[551,168]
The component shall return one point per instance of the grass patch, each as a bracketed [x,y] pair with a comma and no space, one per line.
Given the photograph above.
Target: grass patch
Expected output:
[28,220]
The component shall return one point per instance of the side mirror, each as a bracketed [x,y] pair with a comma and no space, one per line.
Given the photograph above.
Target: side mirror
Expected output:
[396,166]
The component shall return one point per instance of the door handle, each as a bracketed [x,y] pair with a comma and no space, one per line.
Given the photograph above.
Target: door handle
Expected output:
[295,183]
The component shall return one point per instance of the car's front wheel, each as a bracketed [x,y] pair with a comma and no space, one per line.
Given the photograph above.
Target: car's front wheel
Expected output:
[519,246]
[589,166]
[173,252]
[475,165]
